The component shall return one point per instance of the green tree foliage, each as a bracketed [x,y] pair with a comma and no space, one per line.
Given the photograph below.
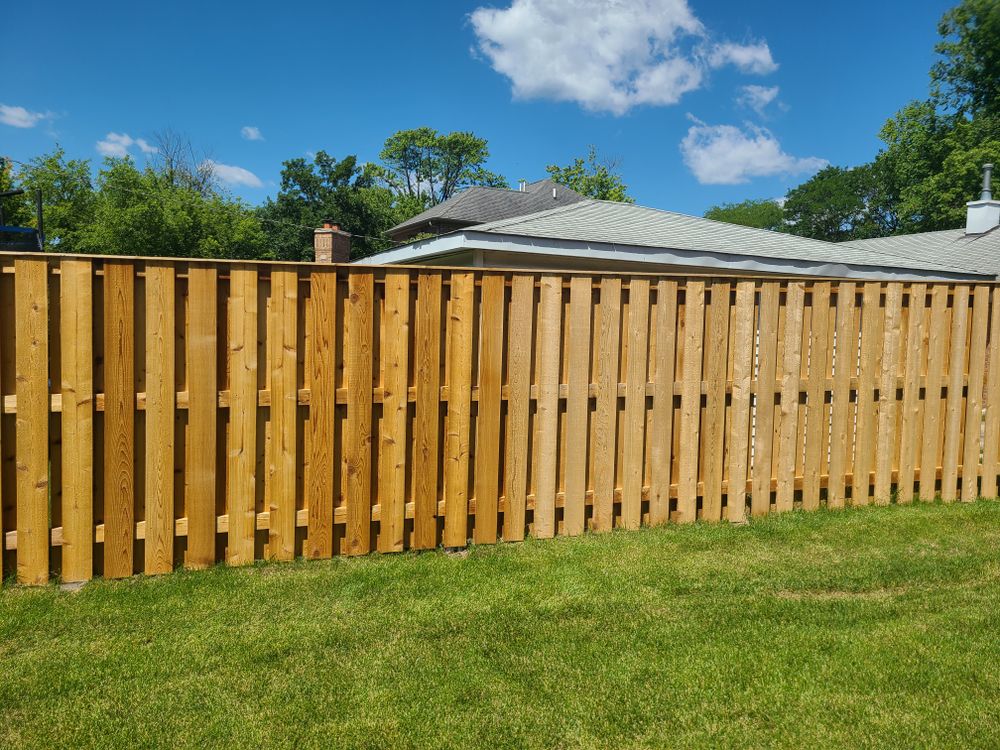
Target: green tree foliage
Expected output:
[327,188]
[592,178]
[837,204]
[761,214]
[68,197]
[428,167]
[966,78]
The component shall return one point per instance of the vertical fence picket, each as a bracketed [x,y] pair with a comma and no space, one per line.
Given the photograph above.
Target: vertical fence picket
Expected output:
[663,401]
[605,416]
[160,397]
[547,411]
[322,404]
[767,358]
[202,374]
[427,358]
[788,427]
[865,418]
[283,364]
[739,435]
[76,311]
[936,354]
[358,437]
[886,437]
[31,279]
[491,335]
[716,371]
[694,329]
[911,425]
[577,404]
[971,453]
[456,447]
[635,403]
[816,423]
[242,447]
[521,320]
[957,360]
[841,432]
[991,436]
[395,405]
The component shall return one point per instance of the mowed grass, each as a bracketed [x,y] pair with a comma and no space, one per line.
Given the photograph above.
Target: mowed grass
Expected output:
[876,627]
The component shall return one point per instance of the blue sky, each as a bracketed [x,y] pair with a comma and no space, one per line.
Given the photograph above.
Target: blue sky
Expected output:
[659,85]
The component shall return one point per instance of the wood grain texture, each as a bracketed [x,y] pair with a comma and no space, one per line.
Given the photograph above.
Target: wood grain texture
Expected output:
[972,449]
[322,410]
[991,433]
[663,401]
[739,429]
[937,348]
[119,419]
[456,447]
[392,438]
[521,319]
[76,325]
[690,425]
[358,434]
[160,395]
[716,355]
[605,415]
[957,362]
[242,445]
[577,404]
[767,359]
[487,466]
[817,426]
[864,441]
[202,438]
[886,441]
[634,438]
[282,349]
[547,409]
[426,436]
[788,443]
[910,423]
[845,365]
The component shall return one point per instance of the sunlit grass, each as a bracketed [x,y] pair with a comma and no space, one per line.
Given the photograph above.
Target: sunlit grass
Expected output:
[869,628]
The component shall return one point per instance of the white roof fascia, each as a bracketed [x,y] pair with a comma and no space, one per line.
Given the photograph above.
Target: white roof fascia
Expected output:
[473,240]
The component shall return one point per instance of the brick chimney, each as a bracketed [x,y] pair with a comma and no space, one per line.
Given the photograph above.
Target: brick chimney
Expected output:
[331,244]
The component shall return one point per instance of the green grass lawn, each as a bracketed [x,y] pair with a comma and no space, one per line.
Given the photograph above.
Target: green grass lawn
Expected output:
[867,628]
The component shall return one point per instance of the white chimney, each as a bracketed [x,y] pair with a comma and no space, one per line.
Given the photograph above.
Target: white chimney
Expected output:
[522,186]
[983,214]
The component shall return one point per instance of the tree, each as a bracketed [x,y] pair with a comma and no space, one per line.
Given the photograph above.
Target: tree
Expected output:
[967,77]
[428,167]
[762,214]
[327,188]
[67,197]
[592,178]
[146,212]
[836,204]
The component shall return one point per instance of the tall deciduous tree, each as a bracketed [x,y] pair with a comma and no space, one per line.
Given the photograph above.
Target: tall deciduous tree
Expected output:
[761,214]
[428,167]
[966,78]
[592,177]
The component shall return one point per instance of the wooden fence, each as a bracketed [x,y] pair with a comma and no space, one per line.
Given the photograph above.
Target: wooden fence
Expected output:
[161,413]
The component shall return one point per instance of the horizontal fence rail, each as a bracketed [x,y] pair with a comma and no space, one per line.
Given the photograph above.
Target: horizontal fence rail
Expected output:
[161,413]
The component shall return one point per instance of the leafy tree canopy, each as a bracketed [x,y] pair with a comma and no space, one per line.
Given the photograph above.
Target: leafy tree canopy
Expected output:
[428,167]
[759,213]
[592,178]
[966,78]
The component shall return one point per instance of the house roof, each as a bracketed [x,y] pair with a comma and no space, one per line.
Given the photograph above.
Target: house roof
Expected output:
[478,204]
[979,253]
[608,231]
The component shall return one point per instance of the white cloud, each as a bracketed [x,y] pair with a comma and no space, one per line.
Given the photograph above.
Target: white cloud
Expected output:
[757,97]
[729,155]
[748,58]
[118,144]
[606,56]
[251,133]
[19,117]
[233,175]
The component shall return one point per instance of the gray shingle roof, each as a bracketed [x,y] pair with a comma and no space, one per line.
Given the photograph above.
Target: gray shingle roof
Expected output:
[478,204]
[978,253]
[624,224]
